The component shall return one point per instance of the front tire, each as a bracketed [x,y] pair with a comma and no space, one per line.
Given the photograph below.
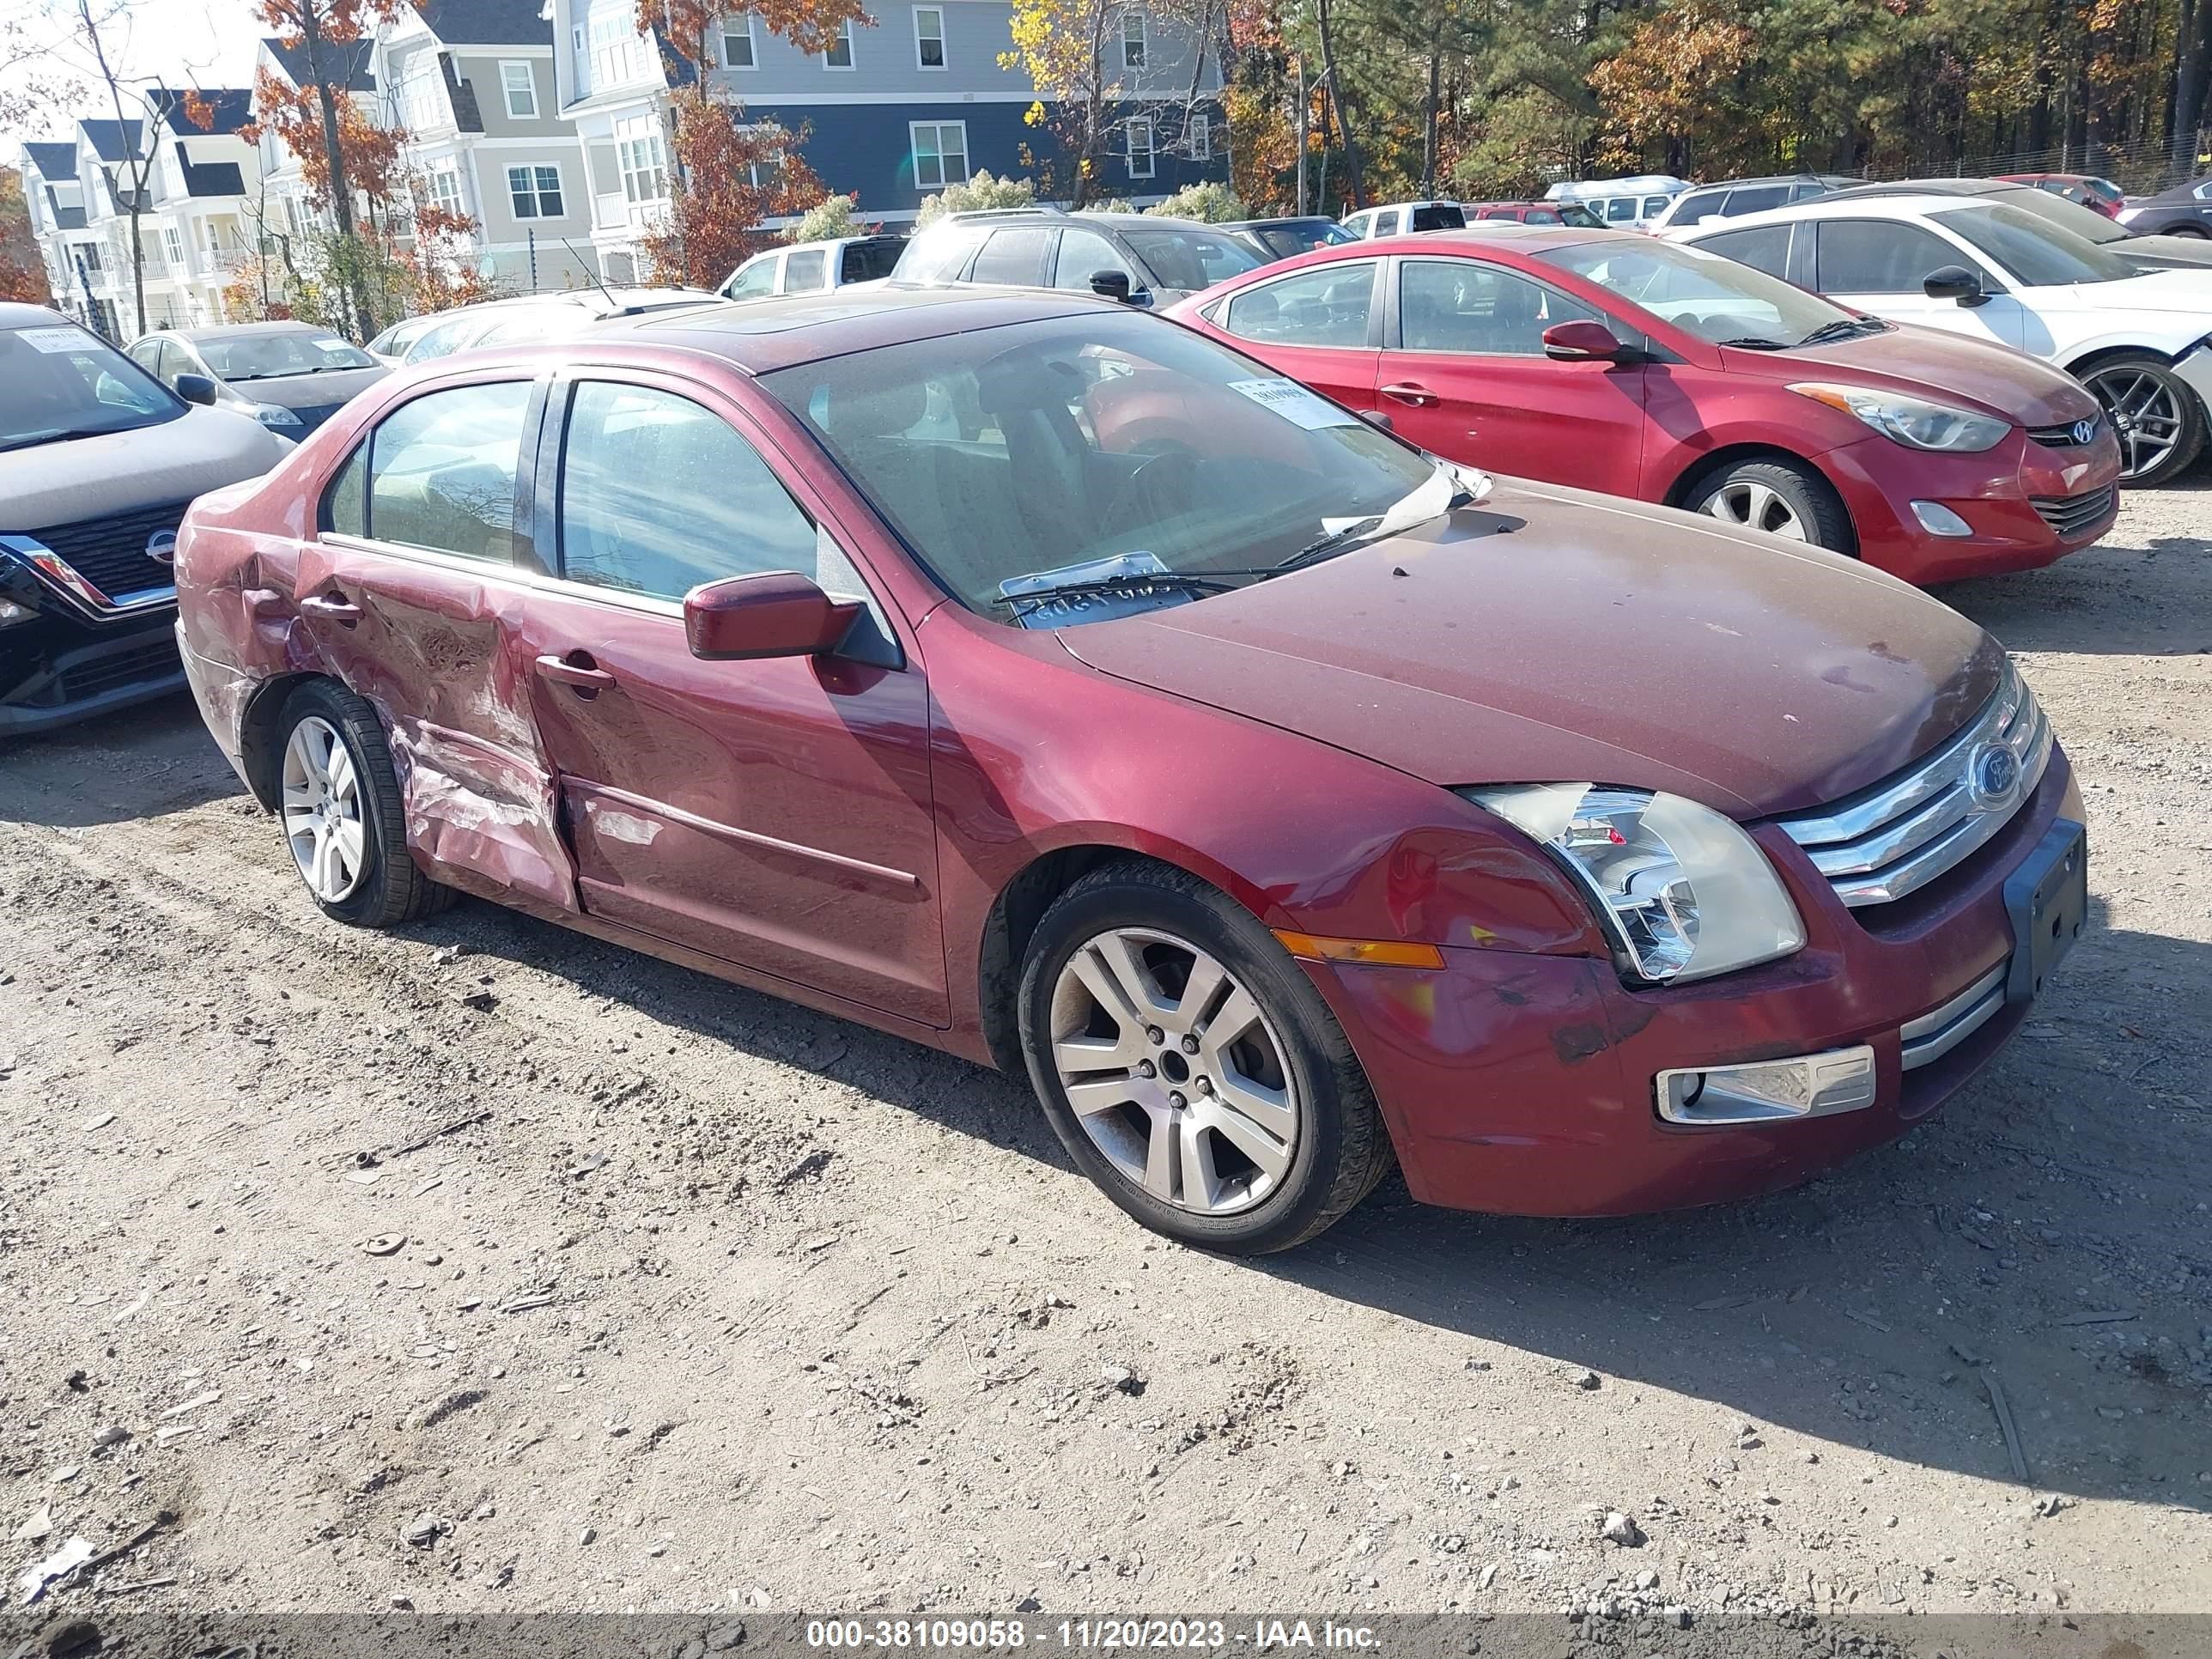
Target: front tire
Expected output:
[1190,1068]
[2155,414]
[1783,498]
[338,808]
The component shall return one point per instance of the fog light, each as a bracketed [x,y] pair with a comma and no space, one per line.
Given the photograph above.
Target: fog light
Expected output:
[1765,1090]
[1938,520]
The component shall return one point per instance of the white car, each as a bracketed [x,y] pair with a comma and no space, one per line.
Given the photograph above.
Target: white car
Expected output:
[2140,338]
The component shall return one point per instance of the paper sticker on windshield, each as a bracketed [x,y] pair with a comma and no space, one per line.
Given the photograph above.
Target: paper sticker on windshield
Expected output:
[52,339]
[1294,402]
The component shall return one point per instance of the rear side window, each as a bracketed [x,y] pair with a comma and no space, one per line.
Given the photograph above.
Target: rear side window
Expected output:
[345,504]
[1696,205]
[1756,198]
[441,471]
[659,494]
[1439,216]
[804,270]
[1620,210]
[864,262]
[1014,256]
[1763,247]
[1324,308]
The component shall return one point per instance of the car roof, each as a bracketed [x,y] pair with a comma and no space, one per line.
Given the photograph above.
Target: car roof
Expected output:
[15,313]
[761,335]
[1937,187]
[1270,224]
[1493,232]
[1836,205]
[241,330]
[1772,179]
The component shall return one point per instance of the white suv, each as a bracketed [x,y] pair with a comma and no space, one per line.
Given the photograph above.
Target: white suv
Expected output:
[2140,338]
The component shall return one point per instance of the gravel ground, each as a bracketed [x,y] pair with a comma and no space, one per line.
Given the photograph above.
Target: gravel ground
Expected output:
[486,1266]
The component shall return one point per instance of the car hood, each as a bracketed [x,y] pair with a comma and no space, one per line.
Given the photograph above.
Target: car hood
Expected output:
[1931,362]
[79,478]
[325,391]
[1551,635]
[2174,289]
[2180,252]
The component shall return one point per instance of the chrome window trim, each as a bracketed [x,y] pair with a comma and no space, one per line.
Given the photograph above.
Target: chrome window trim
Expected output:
[1903,833]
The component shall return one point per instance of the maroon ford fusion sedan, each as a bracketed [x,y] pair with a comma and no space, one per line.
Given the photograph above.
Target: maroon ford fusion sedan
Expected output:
[1052,684]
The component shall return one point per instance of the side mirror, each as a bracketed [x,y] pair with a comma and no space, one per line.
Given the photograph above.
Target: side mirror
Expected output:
[1580,342]
[779,613]
[1111,284]
[196,389]
[1378,417]
[1954,282]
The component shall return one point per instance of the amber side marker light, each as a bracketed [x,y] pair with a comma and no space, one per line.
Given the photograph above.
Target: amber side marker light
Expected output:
[1381,952]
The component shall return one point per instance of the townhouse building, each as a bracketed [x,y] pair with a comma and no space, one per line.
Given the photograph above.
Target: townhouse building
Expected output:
[891,113]
[54,195]
[471,83]
[279,205]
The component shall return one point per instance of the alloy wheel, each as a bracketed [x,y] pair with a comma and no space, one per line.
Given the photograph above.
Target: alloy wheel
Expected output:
[321,807]
[2147,414]
[1757,505]
[1174,1072]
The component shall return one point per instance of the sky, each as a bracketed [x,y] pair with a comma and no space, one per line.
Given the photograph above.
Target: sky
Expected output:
[209,43]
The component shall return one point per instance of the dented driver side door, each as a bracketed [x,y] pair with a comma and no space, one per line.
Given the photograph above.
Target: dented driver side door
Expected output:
[410,593]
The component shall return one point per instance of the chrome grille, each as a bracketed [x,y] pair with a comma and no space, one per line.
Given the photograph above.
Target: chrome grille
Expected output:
[1896,838]
[1924,1041]
[2069,515]
[2062,436]
[110,552]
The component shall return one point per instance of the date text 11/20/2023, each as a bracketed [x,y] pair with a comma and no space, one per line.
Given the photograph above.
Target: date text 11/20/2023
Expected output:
[1259,1634]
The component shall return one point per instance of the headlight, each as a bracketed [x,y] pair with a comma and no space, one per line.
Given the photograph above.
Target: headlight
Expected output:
[11,613]
[1683,892]
[275,414]
[1911,421]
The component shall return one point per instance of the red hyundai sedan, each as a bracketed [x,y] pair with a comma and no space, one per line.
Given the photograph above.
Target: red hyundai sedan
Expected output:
[1048,683]
[1622,363]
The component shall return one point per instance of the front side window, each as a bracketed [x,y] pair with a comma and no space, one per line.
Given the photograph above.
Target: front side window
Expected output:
[738,51]
[1016,454]
[939,254]
[941,153]
[1877,256]
[519,88]
[1132,41]
[535,192]
[1704,294]
[2039,254]
[1464,305]
[929,36]
[1141,147]
[659,494]
[840,55]
[1325,307]
[1697,204]
[1756,198]
[1620,210]
[754,278]
[58,381]
[441,471]
[1084,254]
[805,270]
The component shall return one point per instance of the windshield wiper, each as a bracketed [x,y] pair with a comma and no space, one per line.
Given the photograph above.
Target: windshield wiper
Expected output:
[53,435]
[1135,582]
[1755,342]
[1347,536]
[1844,328]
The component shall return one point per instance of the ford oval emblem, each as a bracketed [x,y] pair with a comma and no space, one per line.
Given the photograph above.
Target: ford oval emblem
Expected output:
[161,547]
[1993,775]
[2083,431]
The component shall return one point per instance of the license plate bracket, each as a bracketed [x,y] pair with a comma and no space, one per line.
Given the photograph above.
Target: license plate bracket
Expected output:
[2048,899]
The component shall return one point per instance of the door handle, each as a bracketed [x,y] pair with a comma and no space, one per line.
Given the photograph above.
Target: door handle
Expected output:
[334,609]
[1406,392]
[584,676]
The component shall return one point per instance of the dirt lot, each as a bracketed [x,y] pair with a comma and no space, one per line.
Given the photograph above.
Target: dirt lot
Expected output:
[705,1300]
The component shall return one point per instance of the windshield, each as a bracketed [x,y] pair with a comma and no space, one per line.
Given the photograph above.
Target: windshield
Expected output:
[1190,259]
[451,336]
[1098,445]
[2032,252]
[273,356]
[58,381]
[1701,293]
[2068,215]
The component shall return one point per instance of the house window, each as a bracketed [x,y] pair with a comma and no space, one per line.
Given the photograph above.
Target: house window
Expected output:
[444,191]
[519,87]
[929,36]
[614,47]
[738,51]
[1201,138]
[580,61]
[422,93]
[941,153]
[840,55]
[1132,41]
[173,244]
[535,192]
[87,255]
[644,163]
[1141,147]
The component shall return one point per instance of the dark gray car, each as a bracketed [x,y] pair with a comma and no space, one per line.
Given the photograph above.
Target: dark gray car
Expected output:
[291,377]
[1138,257]
[2184,211]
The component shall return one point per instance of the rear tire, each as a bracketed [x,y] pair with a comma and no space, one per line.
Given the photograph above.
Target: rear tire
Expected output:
[1222,1104]
[1784,498]
[2155,414]
[338,808]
